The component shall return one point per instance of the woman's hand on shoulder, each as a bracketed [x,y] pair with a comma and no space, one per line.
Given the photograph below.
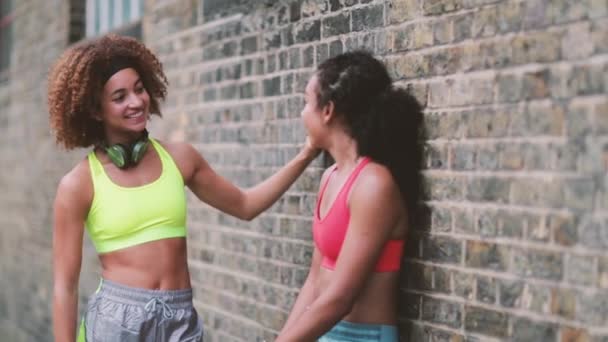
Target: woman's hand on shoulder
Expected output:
[217,191]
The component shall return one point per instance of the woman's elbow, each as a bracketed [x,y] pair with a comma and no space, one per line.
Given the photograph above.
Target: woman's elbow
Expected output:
[245,215]
[247,210]
[64,289]
[239,212]
[65,284]
[63,296]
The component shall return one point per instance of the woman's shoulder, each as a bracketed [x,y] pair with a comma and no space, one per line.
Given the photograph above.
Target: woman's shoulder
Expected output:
[78,180]
[184,155]
[175,147]
[181,152]
[377,171]
[79,173]
[375,178]
[376,188]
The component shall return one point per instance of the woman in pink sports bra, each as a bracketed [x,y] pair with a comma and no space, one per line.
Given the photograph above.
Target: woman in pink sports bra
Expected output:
[372,130]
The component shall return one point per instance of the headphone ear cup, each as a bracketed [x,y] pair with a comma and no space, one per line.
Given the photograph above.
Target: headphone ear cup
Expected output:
[118,155]
[138,151]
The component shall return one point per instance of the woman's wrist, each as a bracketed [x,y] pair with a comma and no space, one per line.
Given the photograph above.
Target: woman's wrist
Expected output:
[308,154]
[308,151]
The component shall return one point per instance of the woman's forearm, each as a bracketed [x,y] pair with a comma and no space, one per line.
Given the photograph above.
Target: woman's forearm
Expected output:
[65,306]
[317,319]
[263,195]
[305,298]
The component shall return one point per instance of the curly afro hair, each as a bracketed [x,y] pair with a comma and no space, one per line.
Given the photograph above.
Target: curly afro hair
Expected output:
[77,79]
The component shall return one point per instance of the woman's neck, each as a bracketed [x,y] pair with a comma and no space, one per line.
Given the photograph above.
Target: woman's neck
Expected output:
[123,137]
[343,149]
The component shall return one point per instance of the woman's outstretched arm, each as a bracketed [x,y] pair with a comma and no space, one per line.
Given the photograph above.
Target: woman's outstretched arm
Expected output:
[220,193]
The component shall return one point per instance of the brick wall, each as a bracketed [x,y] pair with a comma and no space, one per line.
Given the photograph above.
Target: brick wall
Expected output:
[512,238]
[30,169]
[514,94]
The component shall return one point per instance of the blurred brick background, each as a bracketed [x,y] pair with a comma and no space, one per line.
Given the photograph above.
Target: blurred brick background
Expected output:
[513,237]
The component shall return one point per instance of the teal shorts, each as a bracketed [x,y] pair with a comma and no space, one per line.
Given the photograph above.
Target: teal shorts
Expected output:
[358,332]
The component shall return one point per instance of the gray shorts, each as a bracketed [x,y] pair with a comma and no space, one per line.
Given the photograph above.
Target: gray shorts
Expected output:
[121,313]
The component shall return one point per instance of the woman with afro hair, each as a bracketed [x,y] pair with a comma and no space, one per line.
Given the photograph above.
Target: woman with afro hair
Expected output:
[373,130]
[129,194]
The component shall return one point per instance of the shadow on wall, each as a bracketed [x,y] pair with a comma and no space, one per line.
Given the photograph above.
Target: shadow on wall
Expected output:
[411,277]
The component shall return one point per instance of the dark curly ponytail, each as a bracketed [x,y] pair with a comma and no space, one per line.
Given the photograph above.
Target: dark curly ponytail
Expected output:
[385,121]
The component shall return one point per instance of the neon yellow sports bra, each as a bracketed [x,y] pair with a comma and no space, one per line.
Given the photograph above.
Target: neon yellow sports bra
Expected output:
[121,217]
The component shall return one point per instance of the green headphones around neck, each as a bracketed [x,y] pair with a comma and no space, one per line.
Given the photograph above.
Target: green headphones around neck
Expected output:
[128,155]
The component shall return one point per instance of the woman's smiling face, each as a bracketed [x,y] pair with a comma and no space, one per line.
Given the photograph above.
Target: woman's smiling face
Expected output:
[125,103]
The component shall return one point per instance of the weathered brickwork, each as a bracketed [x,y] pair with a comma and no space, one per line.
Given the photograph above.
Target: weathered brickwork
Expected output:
[512,236]
[31,168]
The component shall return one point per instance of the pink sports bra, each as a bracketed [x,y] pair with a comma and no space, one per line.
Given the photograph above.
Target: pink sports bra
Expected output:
[329,232]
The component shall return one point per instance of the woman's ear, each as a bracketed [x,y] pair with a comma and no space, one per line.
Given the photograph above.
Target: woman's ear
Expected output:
[328,112]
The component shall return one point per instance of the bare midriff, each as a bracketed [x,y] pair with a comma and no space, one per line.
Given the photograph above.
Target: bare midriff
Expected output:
[377,302]
[156,265]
